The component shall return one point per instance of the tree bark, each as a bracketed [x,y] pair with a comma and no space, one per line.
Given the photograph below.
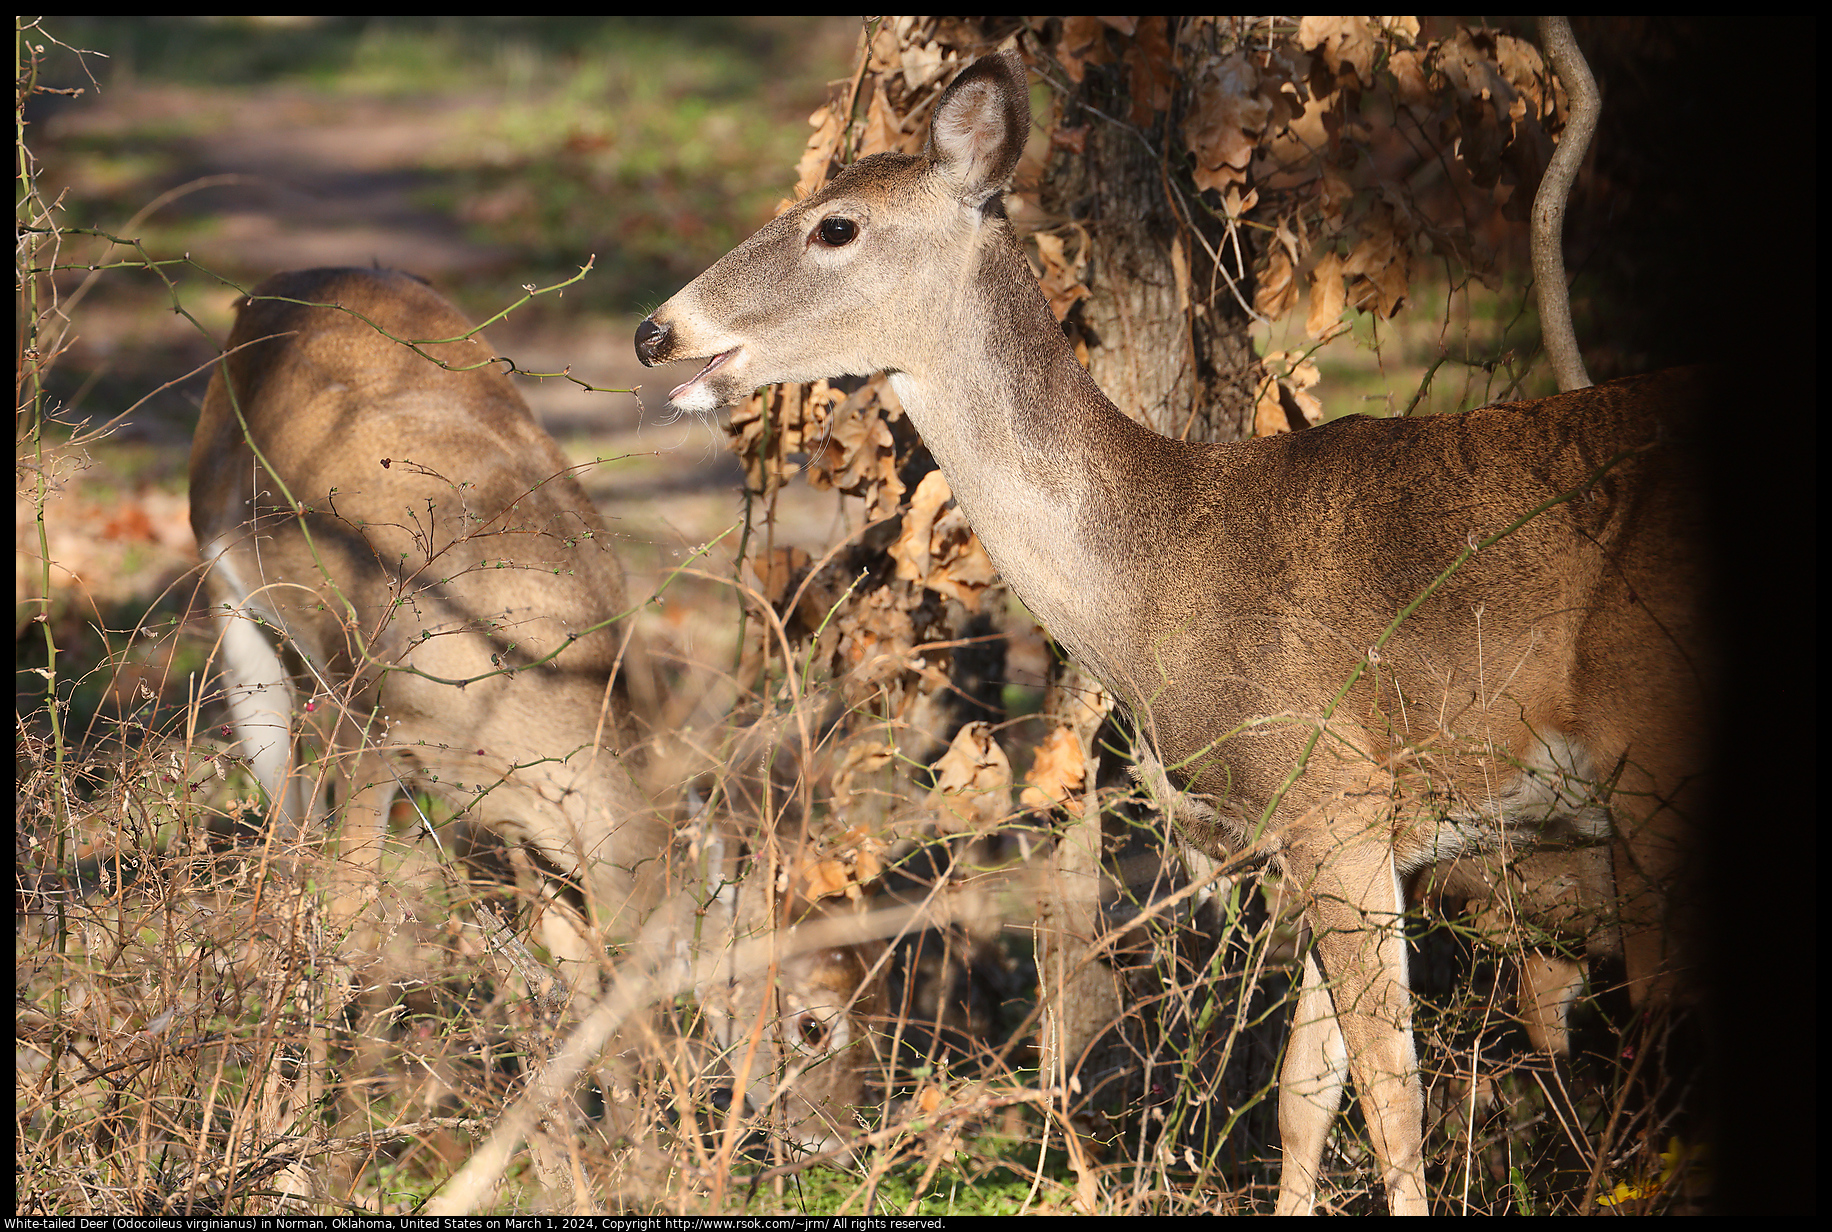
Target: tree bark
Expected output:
[1167,339]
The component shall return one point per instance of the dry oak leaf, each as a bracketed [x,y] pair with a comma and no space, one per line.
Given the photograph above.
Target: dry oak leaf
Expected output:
[852,862]
[1153,69]
[788,420]
[1409,83]
[937,548]
[744,437]
[1269,414]
[875,638]
[826,879]
[1057,771]
[857,454]
[1278,284]
[1084,42]
[1061,274]
[1350,41]
[1334,197]
[1521,64]
[972,781]
[811,170]
[864,851]
[921,65]
[863,758]
[966,572]
[1327,296]
[1490,77]
[1381,265]
[1300,372]
[1225,122]
[1269,418]
[884,132]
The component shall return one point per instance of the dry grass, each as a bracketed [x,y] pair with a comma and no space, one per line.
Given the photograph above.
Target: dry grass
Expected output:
[197,1032]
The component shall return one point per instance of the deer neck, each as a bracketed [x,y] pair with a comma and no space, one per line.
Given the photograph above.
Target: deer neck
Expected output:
[1066,493]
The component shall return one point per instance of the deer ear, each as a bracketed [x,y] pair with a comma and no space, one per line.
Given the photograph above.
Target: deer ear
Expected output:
[979,127]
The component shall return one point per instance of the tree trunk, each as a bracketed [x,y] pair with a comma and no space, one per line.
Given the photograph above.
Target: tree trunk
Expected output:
[1166,338]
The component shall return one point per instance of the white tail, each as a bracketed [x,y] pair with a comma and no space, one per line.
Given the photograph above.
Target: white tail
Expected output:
[1244,600]
[420,543]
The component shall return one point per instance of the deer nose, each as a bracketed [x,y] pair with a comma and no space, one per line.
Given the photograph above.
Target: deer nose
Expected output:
[649,340]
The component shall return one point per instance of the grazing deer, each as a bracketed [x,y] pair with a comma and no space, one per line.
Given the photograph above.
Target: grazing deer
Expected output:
[421,544]
[1245,601]
[817,1051]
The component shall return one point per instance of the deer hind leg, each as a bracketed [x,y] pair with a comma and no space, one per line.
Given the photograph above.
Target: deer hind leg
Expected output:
[1646,867]
[1356,905]
[1566,894]
[1549,984]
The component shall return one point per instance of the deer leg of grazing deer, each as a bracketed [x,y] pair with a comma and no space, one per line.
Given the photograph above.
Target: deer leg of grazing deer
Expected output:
[1243,600]
[1568,896]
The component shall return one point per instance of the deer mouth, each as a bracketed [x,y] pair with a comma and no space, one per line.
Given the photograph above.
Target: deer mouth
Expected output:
[712,365]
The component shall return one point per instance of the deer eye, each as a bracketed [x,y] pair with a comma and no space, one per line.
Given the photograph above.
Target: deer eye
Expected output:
[837,232]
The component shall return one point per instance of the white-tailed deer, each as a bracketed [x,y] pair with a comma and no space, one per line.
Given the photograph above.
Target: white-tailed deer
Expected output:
[421,545]
[1252,604]
[815,1054]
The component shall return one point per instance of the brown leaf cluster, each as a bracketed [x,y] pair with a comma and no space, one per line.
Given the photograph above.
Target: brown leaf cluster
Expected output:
[844,438]
[887,108]
[972,782]
[846,868]
[938,549]
[876,651]
[1302,116]
[1226,119]
[1475,103]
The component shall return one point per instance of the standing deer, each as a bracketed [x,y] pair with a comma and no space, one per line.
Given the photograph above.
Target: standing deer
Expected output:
[421,544]
[1244,600]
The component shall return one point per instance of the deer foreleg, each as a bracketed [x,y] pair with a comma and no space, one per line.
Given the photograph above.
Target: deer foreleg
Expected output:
[1356,905]
[1310,1091]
